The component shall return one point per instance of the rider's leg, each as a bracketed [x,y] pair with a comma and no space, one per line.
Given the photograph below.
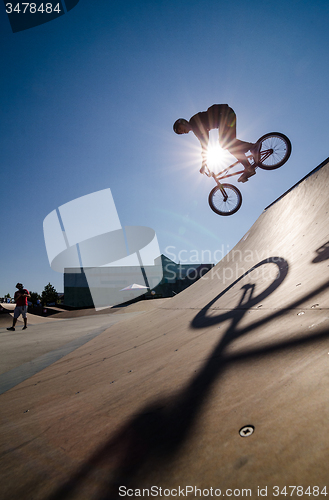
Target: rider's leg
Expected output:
[228,140]
[239,149]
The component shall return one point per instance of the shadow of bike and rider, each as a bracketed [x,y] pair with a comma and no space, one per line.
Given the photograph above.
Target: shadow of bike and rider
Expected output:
[157,433]
[322,253]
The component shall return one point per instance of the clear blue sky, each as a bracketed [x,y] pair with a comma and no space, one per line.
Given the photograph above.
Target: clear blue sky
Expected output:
[88,102]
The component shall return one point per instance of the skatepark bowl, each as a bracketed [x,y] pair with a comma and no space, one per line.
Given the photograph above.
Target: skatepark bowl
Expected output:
[221,390]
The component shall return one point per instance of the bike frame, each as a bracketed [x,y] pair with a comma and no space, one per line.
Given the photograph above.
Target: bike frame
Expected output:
[226,199]
[223,174]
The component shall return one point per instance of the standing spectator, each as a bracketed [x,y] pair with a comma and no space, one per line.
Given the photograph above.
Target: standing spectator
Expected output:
[20,298]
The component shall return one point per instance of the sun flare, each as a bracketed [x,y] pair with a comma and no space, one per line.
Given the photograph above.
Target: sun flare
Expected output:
[216,156]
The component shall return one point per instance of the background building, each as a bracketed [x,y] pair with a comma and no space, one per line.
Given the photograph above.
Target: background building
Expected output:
[176,277]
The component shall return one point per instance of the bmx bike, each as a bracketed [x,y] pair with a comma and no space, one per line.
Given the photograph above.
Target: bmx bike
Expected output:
[274,151]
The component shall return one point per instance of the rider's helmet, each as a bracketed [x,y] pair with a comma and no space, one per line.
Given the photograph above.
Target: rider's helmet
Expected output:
[180,121]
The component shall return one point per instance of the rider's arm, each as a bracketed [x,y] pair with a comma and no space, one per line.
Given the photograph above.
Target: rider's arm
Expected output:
[204,152]
[204,155]
[199,126]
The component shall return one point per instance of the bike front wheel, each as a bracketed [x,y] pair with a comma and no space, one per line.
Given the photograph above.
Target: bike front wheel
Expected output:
[225,199]
[275,150]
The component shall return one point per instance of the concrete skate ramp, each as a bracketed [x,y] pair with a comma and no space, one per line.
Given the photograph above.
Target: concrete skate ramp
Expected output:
[158,400]
[5,319]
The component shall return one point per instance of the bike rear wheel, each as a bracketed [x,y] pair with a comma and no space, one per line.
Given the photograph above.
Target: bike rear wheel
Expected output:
[275,150]
[225,199]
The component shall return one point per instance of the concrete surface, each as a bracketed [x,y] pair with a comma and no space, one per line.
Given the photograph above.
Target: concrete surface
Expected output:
[25,353]
[158,399]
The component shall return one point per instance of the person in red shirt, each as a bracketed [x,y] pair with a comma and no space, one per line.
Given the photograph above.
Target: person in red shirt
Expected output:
[20,298]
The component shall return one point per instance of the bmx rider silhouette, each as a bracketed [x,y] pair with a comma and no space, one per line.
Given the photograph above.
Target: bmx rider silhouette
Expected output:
[222,117]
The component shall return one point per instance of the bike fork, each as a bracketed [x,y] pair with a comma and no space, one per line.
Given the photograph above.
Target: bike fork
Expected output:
[221,187]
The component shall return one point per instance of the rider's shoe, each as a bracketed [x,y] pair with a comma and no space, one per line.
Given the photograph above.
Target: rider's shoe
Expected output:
[249,172]
[255,150]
